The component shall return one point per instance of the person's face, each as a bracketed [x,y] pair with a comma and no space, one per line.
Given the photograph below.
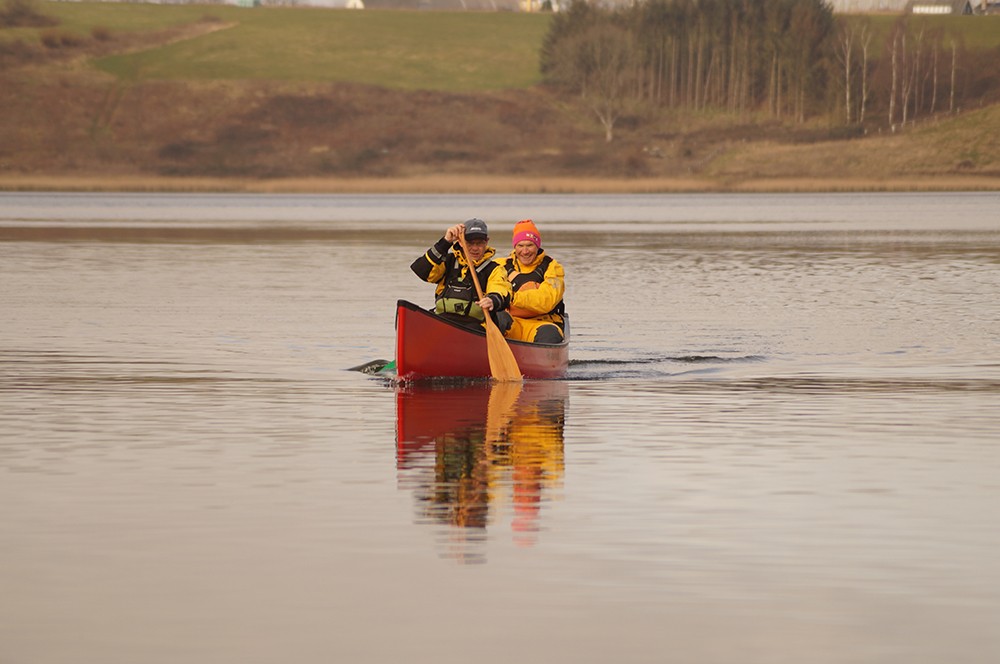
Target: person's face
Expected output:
[526,251]
[477,248]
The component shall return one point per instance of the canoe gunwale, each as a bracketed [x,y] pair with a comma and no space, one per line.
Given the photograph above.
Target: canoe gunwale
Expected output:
[474,332]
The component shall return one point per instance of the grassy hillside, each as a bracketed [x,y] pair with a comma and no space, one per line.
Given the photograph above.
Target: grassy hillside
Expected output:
[979,32]
[395,49]
[967,143]
[374,100]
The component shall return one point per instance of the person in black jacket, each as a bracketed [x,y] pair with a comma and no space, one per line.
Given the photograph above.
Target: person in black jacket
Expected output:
[447,267]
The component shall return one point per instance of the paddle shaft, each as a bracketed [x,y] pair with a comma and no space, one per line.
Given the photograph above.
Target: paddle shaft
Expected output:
[503,364]
[472,268]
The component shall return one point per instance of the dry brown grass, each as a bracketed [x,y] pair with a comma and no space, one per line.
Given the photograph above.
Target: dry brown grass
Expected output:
[955,148]
[64,125]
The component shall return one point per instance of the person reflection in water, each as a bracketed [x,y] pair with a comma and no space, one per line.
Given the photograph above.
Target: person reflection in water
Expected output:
[531,454]
[460,493]
[504,445]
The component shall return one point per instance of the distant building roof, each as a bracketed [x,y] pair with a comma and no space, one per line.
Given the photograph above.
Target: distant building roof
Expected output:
[336,4]
[868,6]
[331,4]
[953,7]
[445,5]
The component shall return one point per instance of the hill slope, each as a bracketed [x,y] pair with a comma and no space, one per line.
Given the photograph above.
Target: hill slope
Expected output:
[143,109]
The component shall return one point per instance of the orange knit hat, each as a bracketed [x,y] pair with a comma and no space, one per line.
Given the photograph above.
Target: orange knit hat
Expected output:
[525,230]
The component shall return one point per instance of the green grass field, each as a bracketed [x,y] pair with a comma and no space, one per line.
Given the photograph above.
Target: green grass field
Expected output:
[130,17]
[977,32]
[447,51]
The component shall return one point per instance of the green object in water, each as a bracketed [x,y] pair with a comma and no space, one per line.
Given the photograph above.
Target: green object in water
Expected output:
[374,367]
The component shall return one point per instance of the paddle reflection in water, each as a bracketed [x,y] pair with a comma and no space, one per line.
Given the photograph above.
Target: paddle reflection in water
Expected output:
[462,448]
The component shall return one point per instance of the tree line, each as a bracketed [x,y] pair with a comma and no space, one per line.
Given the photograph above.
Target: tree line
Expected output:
[790,59]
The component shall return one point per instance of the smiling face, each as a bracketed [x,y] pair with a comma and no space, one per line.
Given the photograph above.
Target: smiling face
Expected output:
[526,251]
[477,248]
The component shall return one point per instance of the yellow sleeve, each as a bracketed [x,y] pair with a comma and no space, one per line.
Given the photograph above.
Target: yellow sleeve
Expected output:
[498,283]
[549,293]
[436,274]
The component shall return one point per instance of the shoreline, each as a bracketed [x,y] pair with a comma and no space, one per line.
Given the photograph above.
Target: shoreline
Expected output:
[487,184]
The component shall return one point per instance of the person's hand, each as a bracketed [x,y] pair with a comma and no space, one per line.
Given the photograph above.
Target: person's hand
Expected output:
[486,303]
[455,232]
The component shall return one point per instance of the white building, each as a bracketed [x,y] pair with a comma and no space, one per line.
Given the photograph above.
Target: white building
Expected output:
[334,4]
[943,7]
[868,6]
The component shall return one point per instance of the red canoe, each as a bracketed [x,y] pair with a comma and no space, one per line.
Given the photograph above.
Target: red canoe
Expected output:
[428,346]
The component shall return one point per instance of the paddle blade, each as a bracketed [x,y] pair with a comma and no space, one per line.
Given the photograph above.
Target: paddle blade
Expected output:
[503,364]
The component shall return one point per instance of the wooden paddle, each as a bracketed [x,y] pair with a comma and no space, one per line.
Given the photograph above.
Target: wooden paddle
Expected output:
[503,364]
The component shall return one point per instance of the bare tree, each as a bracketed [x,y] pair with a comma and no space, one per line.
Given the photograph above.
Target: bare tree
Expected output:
[905,79]
[599,63]
[934,85]
[609,52]
[916,65]
[865,36]
[895,78]
[954,67]
[732,55]
[844,52]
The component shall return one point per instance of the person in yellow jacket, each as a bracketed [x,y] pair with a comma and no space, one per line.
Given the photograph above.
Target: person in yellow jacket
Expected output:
[538,283]
[444,264]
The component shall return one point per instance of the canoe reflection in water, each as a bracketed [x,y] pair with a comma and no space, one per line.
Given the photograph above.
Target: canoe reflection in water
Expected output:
[461,447]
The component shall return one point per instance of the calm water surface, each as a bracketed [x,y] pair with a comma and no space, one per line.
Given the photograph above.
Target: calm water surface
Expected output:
[778,441]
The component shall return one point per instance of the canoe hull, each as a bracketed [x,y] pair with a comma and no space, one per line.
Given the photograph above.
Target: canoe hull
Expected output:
[428,346]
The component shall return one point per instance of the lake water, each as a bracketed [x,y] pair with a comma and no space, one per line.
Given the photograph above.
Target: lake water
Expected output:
[779,440]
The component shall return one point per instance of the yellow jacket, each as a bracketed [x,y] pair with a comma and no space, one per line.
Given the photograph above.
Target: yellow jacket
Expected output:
[543,298]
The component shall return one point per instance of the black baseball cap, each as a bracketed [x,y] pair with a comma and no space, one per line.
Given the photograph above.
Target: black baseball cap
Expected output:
[475,229]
